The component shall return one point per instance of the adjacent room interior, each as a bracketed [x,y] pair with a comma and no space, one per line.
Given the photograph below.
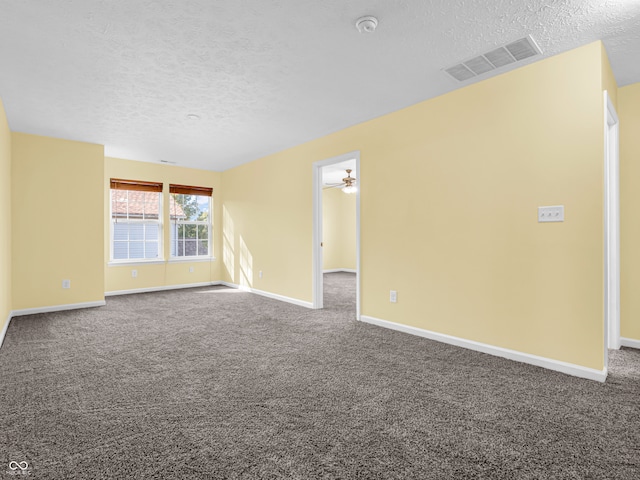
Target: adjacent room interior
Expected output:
[339,238]
[187,290]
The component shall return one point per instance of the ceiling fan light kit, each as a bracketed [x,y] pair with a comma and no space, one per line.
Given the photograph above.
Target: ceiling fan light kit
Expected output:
[349,182]
[347,185]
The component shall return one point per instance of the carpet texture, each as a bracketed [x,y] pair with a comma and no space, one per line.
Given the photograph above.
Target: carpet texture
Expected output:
[218,383]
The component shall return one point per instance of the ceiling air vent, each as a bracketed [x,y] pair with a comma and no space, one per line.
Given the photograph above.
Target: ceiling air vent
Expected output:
[505,55]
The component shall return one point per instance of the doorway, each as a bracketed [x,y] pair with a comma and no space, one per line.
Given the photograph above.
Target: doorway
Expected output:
[612,229]
[334,164]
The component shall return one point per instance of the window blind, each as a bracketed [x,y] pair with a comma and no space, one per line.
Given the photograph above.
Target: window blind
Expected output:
[190,190]
[136,185]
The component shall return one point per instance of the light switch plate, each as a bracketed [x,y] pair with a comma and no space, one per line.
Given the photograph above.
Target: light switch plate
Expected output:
[553,213]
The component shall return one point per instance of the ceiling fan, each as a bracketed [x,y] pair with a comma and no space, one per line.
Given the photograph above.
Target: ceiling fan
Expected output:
[348,183]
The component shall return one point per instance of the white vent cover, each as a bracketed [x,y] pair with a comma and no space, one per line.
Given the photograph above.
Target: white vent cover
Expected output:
[511,53]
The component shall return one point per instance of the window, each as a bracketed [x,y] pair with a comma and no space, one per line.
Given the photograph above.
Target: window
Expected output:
[190,221]
[136,220]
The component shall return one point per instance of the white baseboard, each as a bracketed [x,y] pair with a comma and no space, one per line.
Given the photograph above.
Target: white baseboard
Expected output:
[282,298]
[629,342]
[274,296]
[57,308]
[558,366]
[336,270]
[160,289]
[4,329]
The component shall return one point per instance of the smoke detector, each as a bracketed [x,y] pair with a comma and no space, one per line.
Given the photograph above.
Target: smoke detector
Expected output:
[367,24]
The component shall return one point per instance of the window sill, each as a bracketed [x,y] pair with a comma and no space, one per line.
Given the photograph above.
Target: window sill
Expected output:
[126,263]
[191,259]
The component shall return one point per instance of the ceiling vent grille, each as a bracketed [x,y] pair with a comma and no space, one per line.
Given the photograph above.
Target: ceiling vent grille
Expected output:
[505,55]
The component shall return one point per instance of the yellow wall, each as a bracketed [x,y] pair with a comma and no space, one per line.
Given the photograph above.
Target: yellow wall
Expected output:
[5,218]
[458,238]
[267,225]
[629,116]
[338,230]
[119,277]
[57,224]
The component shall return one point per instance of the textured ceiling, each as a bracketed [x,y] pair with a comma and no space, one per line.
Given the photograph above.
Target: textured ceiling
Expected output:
[261,75]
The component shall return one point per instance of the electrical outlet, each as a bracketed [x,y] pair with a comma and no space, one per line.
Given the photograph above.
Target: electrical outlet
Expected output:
[190,269]
[393,296]
[551,214]
[260,274]
[66,283]
[134,273]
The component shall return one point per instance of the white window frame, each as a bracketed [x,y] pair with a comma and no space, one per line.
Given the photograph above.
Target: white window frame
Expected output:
[159,222]
[208,224]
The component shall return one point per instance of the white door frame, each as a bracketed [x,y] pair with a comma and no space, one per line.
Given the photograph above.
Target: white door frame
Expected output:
[317,227]
[611,228]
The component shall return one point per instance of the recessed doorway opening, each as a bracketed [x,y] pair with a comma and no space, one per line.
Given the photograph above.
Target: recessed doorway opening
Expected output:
[336,222]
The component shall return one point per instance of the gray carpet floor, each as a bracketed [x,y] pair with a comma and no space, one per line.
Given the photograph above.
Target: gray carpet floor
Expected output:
[217,383]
